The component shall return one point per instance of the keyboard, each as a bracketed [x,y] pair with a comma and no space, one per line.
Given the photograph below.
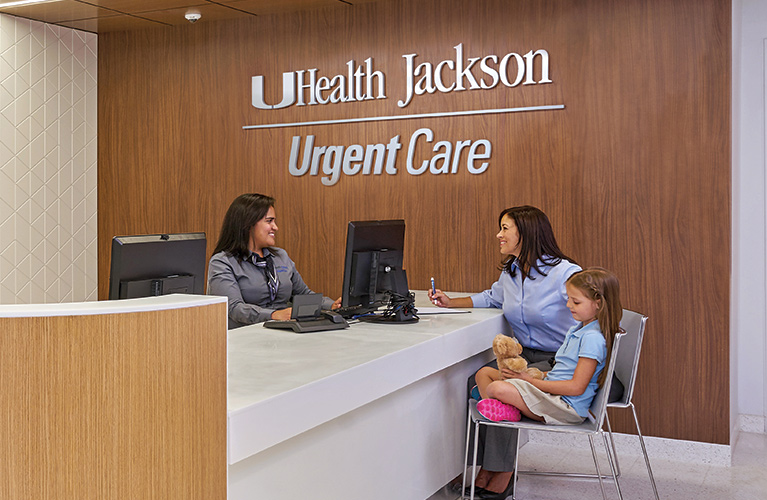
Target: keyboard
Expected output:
[306,326]
[351,311]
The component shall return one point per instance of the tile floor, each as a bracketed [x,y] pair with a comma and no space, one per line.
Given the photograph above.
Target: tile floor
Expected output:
[745,479]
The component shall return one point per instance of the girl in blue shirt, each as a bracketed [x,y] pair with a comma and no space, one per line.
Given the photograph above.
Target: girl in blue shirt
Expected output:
[566,392]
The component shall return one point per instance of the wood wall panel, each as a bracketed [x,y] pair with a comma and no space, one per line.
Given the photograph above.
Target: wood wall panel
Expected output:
[634,172]
[114,406]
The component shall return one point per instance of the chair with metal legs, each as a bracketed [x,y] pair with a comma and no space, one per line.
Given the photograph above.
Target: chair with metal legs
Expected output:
[591,426]
[626,371]
[626,365]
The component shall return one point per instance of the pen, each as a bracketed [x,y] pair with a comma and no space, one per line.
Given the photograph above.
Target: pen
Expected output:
[433,290]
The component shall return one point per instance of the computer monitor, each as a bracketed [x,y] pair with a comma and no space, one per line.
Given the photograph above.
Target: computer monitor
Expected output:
[373,271]
[157,264]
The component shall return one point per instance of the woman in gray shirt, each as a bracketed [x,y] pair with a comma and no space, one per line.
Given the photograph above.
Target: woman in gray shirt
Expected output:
[258,278]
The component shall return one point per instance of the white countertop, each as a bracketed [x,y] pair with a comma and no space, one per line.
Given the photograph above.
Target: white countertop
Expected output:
[282,383]
[163,302]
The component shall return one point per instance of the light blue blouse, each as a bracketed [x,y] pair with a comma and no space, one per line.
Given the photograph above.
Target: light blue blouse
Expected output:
[580,342]
[536,308]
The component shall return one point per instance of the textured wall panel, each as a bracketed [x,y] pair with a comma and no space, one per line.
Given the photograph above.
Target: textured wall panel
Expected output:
[48,121]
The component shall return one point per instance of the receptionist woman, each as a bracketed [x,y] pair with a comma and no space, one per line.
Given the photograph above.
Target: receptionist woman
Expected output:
[258,278]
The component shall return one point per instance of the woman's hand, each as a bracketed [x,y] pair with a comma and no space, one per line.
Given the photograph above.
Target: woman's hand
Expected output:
[438,298]
[336,304]
[282,314]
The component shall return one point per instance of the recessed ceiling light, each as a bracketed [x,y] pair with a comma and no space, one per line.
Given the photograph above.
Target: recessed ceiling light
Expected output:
[24,2]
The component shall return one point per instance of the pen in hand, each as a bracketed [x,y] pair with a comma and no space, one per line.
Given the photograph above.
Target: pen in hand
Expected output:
[433,290]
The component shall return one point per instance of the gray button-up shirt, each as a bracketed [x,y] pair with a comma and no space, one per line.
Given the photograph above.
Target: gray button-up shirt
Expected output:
[245,285]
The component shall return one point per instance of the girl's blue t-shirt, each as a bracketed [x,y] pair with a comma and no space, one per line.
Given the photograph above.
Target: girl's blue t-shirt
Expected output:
[580,342]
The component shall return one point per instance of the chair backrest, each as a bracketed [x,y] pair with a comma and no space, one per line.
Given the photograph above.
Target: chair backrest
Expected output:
[628,358]
[599,404]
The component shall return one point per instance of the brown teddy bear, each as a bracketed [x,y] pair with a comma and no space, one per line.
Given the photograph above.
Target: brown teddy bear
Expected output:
[507,350]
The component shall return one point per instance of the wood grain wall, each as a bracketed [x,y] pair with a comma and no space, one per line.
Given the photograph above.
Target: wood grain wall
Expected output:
[114,406]
[634,172]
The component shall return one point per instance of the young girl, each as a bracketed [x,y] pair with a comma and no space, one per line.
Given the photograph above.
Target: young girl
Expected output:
[565,394]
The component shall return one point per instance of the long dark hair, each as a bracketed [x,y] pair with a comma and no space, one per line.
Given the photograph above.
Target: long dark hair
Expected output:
[601,286]
[242,215]
[537,239]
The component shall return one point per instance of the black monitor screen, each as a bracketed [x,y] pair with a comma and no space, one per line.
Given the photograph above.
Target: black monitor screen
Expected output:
[157,264]
[373,265]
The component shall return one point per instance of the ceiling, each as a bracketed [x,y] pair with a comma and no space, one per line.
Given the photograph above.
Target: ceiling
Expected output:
[101,16]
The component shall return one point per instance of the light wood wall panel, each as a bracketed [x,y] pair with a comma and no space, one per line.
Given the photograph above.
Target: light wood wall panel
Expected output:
[634,172]
[114,406]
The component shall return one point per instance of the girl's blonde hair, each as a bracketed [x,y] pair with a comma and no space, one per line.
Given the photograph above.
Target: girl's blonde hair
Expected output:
[601,286]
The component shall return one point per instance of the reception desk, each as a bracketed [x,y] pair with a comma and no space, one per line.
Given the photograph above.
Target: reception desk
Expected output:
[114,400]
[375,411]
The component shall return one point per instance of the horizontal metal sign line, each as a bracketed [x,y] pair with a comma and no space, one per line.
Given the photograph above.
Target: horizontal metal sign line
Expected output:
[408,117]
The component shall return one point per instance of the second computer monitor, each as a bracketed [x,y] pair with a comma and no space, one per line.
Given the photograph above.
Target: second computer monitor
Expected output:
[373,264]
[157,264]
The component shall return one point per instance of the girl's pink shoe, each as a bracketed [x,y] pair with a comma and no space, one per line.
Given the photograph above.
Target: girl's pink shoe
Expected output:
[494,410]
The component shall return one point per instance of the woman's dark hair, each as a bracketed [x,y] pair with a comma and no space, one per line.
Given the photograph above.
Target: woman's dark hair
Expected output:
[537,241]
[243,213]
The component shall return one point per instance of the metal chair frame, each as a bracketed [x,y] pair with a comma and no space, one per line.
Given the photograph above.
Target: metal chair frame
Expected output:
[626,368]
[591,427]
[626,371]
[626,365]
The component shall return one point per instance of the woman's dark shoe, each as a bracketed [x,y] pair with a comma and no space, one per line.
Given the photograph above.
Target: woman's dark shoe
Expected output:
[479,493]
[483,494]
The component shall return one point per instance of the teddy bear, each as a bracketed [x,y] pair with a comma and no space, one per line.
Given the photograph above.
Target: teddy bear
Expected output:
[507,350]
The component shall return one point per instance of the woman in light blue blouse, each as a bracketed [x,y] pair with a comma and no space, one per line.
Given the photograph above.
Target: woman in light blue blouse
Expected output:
[531,292]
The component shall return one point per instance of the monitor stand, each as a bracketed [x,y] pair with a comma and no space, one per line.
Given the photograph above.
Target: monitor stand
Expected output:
[404,310]
[398,317]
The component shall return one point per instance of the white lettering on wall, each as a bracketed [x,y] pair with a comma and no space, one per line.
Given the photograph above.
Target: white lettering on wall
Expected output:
[288,92]
[337,159]
[305,88]
[461,72]
[445,157]
[427,78]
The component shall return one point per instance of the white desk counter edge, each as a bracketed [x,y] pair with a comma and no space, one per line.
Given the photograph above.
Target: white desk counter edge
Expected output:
[164,302]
